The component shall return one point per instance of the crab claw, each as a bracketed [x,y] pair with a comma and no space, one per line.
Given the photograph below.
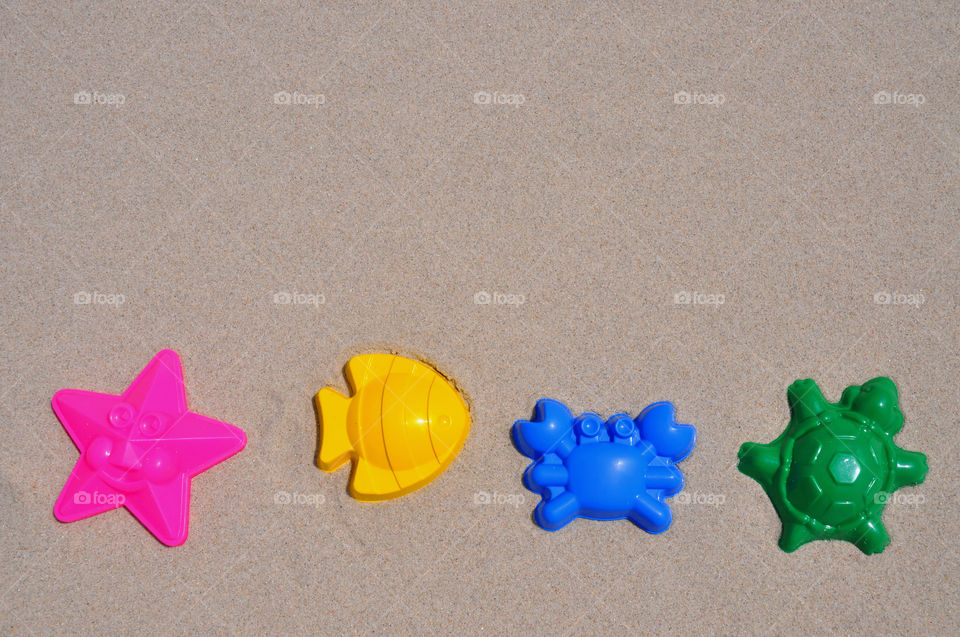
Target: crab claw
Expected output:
[657,425]
[551,430]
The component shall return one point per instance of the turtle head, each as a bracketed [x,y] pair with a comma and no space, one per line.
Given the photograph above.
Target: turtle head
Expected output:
[877,400]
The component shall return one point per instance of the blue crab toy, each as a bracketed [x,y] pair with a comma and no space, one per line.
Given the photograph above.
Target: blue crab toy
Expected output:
[621,468]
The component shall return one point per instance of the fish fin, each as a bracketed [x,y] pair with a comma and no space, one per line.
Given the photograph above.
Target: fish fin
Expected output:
[404,365]
[371,482]
[335,446]
[366,368]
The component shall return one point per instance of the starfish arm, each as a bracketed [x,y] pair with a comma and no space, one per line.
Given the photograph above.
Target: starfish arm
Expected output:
[85,495]
[200,442]
[911,468]
[84,414]
[159,387]
[164,509]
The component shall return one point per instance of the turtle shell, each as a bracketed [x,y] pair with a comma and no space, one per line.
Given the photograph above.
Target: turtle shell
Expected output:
[838,469]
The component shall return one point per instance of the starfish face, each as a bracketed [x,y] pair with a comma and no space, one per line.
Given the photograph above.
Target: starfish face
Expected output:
[139,450]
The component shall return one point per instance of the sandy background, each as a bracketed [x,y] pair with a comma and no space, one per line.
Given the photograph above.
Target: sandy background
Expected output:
[582,199]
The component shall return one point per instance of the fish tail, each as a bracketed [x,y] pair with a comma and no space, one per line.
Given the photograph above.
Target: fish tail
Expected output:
[335,446]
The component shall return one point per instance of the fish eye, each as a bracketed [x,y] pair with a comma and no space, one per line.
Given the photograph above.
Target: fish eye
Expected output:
[122,415]
[152,424]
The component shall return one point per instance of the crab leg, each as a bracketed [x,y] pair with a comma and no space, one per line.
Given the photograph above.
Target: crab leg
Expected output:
[664,477]
[547,475]
[649,514]
[558,512]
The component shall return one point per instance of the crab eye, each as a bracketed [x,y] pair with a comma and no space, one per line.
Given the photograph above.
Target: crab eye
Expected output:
[152,424]
[624,428]
[121,415]
[589,427]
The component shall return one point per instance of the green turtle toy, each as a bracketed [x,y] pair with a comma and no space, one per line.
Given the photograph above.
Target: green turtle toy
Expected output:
[833,469]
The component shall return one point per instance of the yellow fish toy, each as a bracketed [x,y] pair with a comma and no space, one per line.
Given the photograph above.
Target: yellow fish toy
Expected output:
[402,427]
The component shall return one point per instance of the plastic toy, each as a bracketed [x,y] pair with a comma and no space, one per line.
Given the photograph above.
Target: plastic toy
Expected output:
[139,450]
[621,468]
[832,470]
[402,427]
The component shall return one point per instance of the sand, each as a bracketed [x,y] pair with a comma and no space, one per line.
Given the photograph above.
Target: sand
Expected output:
[605,205]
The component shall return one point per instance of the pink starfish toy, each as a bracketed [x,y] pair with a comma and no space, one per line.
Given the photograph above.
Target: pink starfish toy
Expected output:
[140,450]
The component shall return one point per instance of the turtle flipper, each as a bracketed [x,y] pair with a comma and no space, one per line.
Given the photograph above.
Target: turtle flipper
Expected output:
[759,461]
[870,537]
[806,400]
[794,536]
[911,468]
